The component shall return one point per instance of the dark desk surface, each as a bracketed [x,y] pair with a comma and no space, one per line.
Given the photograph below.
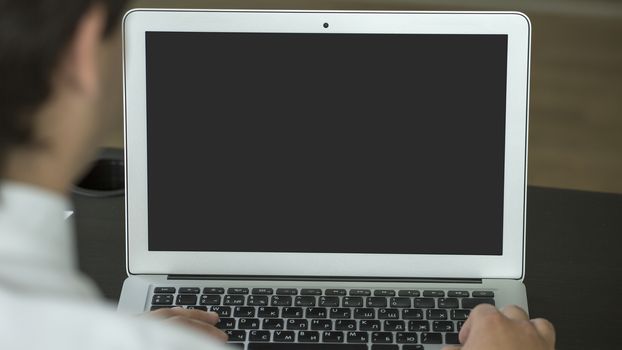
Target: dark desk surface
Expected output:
[574,263]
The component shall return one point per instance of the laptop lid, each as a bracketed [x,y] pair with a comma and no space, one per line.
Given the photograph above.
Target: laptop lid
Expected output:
[359,144]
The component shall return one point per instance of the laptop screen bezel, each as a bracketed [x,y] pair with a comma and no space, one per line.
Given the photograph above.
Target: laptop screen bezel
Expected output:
[142,261]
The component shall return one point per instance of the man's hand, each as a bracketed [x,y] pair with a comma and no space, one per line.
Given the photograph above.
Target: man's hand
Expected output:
[509,329]
[197,319]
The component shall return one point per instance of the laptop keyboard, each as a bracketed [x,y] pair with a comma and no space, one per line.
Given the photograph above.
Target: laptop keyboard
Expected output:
[331,319]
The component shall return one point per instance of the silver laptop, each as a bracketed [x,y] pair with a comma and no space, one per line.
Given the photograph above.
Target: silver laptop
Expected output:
[326,180]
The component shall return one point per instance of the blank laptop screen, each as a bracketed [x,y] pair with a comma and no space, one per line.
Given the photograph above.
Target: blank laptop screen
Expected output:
[333,143]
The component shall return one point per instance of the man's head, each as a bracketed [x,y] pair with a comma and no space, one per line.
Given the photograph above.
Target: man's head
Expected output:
[51,86]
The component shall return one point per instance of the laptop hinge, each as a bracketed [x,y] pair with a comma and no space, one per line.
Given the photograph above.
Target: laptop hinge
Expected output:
[324,279]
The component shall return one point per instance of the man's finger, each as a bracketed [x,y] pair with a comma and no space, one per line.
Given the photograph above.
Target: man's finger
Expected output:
[201,326]
[161,313]
[483,309]
[546,330]
[515,313]
[208,317]
[464,332]
[451,347]
[476,314]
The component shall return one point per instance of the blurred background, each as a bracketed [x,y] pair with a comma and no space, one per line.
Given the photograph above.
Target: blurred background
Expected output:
[575,138]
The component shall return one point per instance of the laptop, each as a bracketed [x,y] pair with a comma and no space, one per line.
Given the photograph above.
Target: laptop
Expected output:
[326,179]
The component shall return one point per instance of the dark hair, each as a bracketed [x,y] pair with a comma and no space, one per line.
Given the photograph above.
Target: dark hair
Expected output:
[33,33]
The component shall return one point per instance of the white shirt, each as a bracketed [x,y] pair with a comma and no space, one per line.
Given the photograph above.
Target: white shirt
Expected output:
[46,303]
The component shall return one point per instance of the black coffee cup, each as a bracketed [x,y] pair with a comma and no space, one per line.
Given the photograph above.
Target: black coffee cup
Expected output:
[106,177]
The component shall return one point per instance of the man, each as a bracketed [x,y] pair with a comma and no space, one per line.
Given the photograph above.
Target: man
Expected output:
[52,92]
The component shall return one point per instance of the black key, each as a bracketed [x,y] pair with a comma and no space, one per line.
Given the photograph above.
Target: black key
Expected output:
[316,312]
[268,312]
[384,347]
[234,300]
[384,293]
[248,323]
[365,313]
[194,307]
[335,292]
[291,312]
[332,337]
[376,302]
[164,290]
[262,291]
[281,300]
[273,323]
[436,314]
[162,299]
[431,338]
[222,311]
[460,314]
[237,291]
[210,300]
[426,303]
[469,303]
[412,347]
[189,290]
[213,291]
[345,325]
[442,326]
[329,301]
[433,293]
[244,311]
[370,325]
[297,324]
[458,294]
[309,337]
[419,326]
[287,291]
[154,308]
[340,313]
[360,292]
[408,293]
[236,335]
[412,314]
[452,338]
[257,300]
[400,302]
[186,299]
[305,301]
[393,325]
[284,337]
[226,323]
[388,314]
[307,291]
[259,336]
[448,303]
[357,337]
[459,325]
[483,294]
[305,346]
[236,345]
[352,301]
[406,337]
[382,337]
[321,325]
